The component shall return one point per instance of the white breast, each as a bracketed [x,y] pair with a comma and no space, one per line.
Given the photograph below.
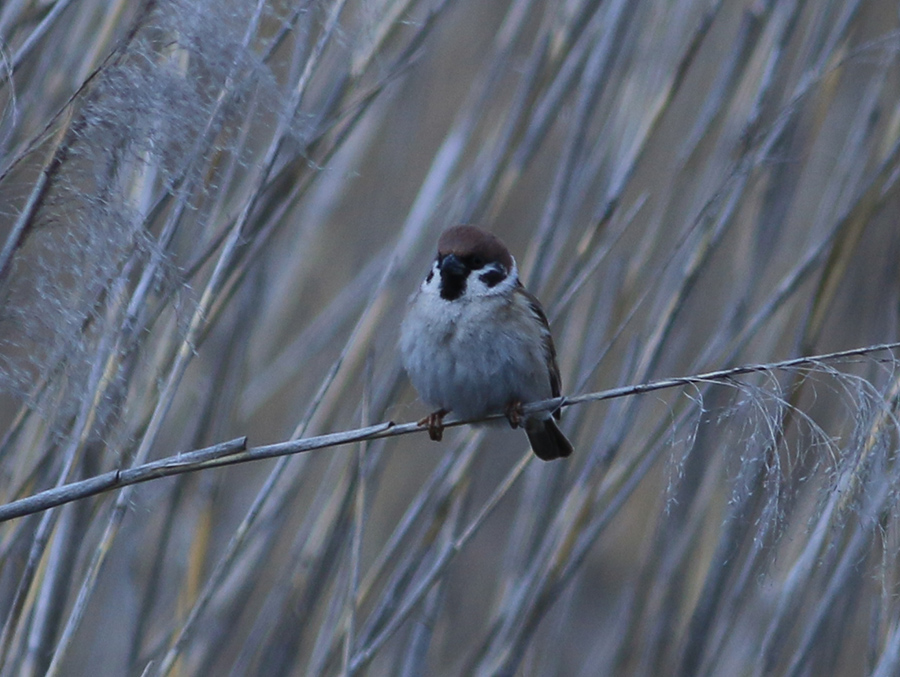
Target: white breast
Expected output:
[474,355]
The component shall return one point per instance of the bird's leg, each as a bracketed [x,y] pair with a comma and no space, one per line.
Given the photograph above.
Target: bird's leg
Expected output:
[435,424]
[514,414]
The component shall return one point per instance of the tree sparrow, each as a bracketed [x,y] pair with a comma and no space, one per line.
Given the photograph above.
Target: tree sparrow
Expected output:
[475,342]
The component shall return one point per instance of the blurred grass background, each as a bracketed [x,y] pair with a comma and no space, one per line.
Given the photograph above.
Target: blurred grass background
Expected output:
[213,214]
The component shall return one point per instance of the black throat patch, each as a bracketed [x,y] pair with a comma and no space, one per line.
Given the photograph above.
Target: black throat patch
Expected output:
[452,286]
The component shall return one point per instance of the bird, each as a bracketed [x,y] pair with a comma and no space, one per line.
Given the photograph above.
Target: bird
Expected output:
[475,342]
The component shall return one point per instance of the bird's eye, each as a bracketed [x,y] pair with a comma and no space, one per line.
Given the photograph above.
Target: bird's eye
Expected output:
[492,277]
[475,262]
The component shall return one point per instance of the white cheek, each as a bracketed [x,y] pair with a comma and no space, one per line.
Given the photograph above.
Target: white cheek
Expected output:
[432,282]
[476,287]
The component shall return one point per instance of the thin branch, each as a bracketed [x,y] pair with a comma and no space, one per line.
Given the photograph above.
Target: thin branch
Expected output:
[236,451]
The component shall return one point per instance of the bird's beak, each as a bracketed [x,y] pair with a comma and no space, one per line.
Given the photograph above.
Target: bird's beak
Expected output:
[452,266]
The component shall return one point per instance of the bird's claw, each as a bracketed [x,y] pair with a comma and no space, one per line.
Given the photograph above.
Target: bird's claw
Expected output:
[435,424]
[514,414]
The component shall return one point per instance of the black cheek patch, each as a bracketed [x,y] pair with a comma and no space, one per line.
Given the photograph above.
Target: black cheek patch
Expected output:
[430,276]
[492,278]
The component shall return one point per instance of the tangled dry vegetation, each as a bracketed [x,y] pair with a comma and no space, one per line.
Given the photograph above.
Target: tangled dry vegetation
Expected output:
[212,213]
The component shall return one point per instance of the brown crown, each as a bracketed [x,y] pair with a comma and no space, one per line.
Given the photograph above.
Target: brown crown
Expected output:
[471,241]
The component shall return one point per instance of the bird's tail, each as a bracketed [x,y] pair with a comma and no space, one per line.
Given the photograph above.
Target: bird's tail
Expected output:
[547,440]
